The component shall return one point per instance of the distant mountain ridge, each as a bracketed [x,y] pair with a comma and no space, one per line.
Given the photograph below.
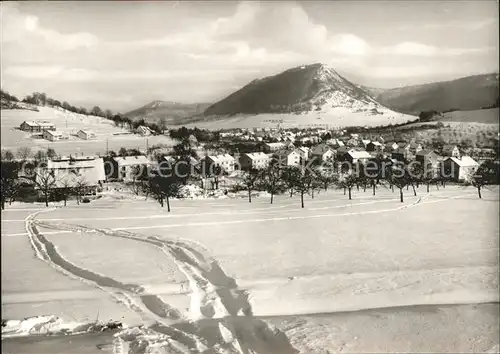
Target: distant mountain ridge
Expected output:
[171,111]
[465,94]
[300,89]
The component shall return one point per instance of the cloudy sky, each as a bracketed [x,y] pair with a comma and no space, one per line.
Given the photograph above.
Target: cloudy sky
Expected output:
[121,55]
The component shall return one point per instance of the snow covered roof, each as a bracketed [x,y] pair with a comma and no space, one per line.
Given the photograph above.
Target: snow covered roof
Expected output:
[359,154]
[132,160]
[221,158]
[35,123]
[88,132]
[465,161]
[90,170]
[256,155]
[54,133]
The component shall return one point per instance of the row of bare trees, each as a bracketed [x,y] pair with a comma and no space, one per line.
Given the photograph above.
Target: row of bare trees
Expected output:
[308,180]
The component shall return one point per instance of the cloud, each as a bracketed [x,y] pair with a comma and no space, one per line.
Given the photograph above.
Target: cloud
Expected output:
[205,57]
[465,25]
[424,50]
[17,26]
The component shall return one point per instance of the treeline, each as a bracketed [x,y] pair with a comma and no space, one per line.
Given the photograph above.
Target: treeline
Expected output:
[201,135]
[4,95]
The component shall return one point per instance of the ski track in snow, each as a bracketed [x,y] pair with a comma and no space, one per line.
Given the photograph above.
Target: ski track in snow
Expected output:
[213,295]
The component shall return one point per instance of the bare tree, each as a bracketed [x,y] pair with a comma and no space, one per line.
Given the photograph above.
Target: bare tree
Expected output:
[24,153]
[80,186]
[271,180]
[250,180]
[45,181]
[7,155]
[66,188]
[163,124]
[347,181]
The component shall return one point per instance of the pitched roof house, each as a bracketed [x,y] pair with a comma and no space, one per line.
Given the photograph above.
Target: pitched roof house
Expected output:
[459,169]
[254,160]
[69,170]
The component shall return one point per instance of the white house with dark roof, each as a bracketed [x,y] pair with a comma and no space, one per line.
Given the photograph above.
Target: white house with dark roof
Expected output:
[34,126]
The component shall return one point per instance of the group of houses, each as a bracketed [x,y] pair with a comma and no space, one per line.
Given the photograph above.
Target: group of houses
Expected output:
[49,132]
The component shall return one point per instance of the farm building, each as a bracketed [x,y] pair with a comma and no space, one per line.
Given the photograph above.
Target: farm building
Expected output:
[459,169]
[254,160]
[143,130]
[36,126]
[52,135]
[125,167]
[86,134]
[69,171]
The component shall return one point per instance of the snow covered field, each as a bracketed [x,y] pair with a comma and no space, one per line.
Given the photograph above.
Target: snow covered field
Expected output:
[210,259]
[70,123]
[331,117]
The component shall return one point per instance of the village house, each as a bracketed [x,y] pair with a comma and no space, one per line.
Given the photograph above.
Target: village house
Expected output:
[86,134]
[413,148]
[36,126]
[374,146]
[273,147]
[365,142]
[335,143]
[390,147]
[304,152]
[293,158]
[254,160]
[143,130]
[52,135]
[429,161]
[401,154]
[323,152]
[353,142]
[459,169]
[225,161]
[70,171]
[128,168]
[450,151]
[342,153]
[355,156]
